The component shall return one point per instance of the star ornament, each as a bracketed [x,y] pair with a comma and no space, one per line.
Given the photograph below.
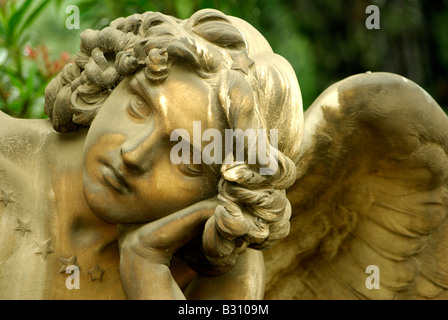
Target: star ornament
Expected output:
[241,61]
[23,226]
[44,248]
[68,262]
[6,197]
[96,273]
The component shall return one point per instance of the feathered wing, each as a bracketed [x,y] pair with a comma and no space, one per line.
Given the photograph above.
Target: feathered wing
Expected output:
[371,189]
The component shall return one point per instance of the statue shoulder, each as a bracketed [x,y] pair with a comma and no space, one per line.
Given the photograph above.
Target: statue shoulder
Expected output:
[21,139]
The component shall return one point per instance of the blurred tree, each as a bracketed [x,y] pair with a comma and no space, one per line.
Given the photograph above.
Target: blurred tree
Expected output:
[324,40]
[412,40]
[24,71]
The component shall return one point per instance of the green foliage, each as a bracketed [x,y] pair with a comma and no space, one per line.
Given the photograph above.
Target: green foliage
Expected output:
[22,82]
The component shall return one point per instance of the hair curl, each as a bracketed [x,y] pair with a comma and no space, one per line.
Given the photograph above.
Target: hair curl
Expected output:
[253,209]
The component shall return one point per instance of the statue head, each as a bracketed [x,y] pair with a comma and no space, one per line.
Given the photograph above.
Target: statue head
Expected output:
[135,81]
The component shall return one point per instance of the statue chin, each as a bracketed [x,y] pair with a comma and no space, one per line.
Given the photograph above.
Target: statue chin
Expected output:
[103,200]
[106,210]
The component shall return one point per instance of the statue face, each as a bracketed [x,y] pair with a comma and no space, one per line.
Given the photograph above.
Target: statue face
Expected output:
[128,175]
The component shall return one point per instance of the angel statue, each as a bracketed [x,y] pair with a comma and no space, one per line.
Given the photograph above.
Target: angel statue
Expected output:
[129,189]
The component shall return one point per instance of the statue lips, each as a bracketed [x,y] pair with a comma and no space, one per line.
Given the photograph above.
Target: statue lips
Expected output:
[115,178]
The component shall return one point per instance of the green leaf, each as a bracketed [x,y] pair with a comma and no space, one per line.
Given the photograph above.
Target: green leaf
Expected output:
[17,105]
[184,8]
[3,19]
[17,16]
[4,23]
[2,31]
[30,81]
[16,82]
[33,15]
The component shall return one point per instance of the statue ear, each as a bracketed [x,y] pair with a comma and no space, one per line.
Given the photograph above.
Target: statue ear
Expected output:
[85,102]
[237,98]
[240,105]
[57,99]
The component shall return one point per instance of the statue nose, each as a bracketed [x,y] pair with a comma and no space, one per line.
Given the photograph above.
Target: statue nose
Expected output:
[138,150]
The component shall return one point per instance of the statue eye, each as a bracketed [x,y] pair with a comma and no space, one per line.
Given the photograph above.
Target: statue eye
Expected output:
[139,108]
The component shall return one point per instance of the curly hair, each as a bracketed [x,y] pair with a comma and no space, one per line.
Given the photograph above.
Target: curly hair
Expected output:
[255,88]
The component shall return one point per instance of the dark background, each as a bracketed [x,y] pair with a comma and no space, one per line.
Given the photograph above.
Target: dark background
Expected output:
[324,40]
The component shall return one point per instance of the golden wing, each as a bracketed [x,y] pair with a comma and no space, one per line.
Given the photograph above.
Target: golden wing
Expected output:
[371,190]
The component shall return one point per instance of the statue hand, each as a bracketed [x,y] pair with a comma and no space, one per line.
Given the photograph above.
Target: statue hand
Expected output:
[158,240]
[146,251]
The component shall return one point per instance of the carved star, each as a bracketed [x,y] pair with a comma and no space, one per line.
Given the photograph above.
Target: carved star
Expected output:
[68,262]
[44,248]
[241,61]
[23,226]
[96,273]
[6,198]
